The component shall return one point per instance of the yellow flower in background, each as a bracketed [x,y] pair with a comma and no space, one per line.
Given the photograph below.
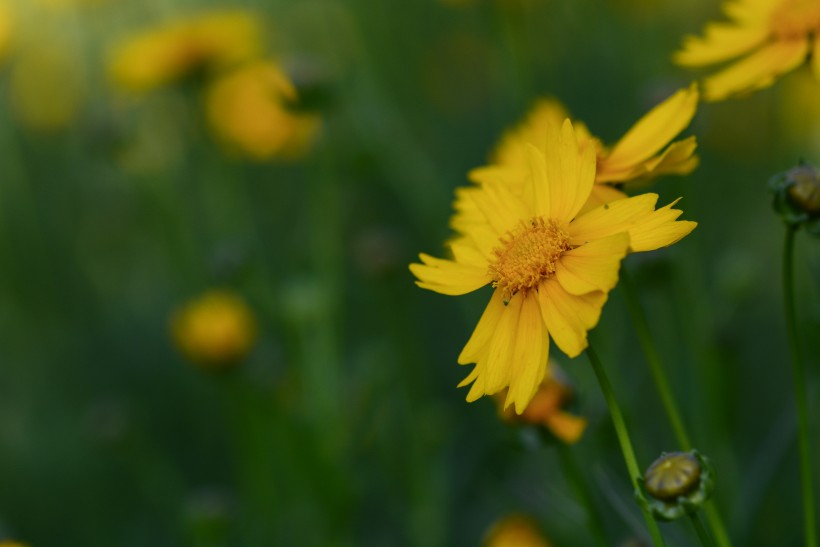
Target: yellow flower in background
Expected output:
[10,543]
[206,42]
[551,267]
[763,40]
[547,408]
[642,154]
[515,531]
[6,28]
[214,330]
[249,109]
[47,86]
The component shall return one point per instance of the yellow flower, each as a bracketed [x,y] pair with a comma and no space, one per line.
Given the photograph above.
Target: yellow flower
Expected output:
[7,25]
[515,531]
[249,110]
[772,37]
[551,267]
[215,330]
[209,41]
[642,154]
[546,408]
[10,543]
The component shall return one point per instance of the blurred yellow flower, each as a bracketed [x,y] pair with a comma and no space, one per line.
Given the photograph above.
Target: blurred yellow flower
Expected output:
[214,330]
[47,86]
[206,42]
[249,110]
[547,408]
[642,154]
[550,266]
[10,543]
[772,36]
[515,531]
[6,27]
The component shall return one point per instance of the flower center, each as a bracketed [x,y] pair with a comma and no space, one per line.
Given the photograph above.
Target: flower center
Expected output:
[794,19]
[528,254]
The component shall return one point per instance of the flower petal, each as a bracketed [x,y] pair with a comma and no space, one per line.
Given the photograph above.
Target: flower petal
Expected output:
[447,276]
[601,194]
[502,344]
[757,70]
[720,42]
[566,426]
[528,362]
[568,317]
[593,266]
[570,173]
[677,159]
[649,229]
[653,131]
[476,346]
[815,56]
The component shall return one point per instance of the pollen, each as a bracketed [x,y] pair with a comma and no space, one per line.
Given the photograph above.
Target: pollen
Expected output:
[794,19]
[528,254]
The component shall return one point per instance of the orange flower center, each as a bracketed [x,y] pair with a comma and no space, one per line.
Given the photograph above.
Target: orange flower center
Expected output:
[528,254]
[795,19]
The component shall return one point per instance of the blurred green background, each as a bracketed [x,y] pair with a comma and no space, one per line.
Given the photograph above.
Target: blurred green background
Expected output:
[342,426]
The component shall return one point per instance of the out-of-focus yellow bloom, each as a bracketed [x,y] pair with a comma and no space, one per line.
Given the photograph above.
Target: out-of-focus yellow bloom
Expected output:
[551,266]
[642,154]
[46,86]
[248,110]
[209,41]
[772,37]
[214,330]
[515,531]
[62,4]
[10,543]
[547,408]
[6,27]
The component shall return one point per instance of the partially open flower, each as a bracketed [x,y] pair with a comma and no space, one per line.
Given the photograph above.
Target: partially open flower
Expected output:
[797,196]
[678,483]
[515,531]
[547,408]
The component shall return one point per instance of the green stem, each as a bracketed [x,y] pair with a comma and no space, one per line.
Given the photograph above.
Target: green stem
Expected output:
[799,376]
[703,535]
[665,392]
[582,490]
[626,444]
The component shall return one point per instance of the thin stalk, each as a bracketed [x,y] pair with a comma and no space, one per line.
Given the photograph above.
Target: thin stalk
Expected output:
[703,535]
[582,490]
[626,444]
[661,380]
[799,376]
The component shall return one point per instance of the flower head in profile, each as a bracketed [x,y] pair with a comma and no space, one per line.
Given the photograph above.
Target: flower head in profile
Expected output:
[762,40]
[251,110]
[209,41]
[550,267]
[215,330]
[547,408]
[643,153]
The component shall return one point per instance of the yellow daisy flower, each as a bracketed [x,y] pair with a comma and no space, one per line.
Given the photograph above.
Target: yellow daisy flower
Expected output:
[248,110]
[550,266]
[208,41]
[775,36]
[642,154]
[515,531]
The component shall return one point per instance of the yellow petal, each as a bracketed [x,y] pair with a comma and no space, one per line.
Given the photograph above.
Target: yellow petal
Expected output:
[815,56]
[570,174]
[601,194]
[545,114]
[479,341]
[756,71]
[448,277]
[593,266]
[527,365]
[500,350]
[565,426]
[720,42]
[678,159]
[653,131]
[568,317]
[648,229]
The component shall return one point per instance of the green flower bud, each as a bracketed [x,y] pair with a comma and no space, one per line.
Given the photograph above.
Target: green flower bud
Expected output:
[677,483]
[796,197]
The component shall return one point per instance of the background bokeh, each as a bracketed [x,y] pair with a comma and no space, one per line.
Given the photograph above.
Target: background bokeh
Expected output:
[342,426]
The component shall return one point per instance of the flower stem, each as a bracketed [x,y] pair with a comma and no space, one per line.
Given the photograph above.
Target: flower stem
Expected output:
[626,444]
[799,376]
[703,535]
[582,490]
[665,392]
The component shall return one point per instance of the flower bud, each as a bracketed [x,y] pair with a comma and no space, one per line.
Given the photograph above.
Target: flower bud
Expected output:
[797,197]
[677,483]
